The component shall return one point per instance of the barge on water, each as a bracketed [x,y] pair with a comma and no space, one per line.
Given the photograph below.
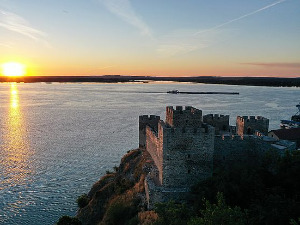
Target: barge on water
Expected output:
[202,92]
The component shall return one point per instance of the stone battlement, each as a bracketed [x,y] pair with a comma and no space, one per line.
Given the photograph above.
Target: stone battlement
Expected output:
[144,121]
[251,124]
[219,122]
[147,118]
[203,128]
[185,147]
[181,147]
[216,116]
[252,119]
[179,117]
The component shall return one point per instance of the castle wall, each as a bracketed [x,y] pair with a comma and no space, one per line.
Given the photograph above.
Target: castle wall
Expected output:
[154,146]
[144,121]
[230,149]
[219,122]
[188,155]
[185,150]
[180,117]
[249,124]
[156,193]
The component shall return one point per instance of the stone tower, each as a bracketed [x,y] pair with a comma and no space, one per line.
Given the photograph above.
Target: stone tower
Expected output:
[250,124]
[188,146]
[181,149]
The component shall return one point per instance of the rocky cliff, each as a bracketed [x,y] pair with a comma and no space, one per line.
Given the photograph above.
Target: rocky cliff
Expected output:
[119,197]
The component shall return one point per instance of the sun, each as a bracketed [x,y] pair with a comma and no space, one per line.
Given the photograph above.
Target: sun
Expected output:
[13,69]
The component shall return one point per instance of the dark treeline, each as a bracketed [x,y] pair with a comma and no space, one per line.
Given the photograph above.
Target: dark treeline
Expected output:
[251,81]
[265,194]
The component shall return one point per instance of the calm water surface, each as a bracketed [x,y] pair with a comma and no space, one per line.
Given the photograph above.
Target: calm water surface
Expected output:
[56,140]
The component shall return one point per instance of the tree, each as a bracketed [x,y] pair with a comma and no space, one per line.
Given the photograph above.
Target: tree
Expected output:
[220,214]
[67,220]
[172,213]
[83,200]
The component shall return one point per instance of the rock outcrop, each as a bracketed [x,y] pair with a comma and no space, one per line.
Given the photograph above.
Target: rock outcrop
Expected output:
[119,196]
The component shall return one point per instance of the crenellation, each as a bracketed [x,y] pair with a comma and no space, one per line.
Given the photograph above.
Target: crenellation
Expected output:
[180,117]
[144,121]
[186,146]
[250,124]
[220,122]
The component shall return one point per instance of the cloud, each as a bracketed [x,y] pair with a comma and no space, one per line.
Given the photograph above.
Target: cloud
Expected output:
[287,65]
[179,42]
[185,41]
[242,17]
[18,24]
[124,10]
[6,45]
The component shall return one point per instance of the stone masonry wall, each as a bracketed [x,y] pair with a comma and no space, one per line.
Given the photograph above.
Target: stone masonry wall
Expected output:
[180,117]
[144,121]
[249,124]
[219,122]
[154,147]
[188,155]
[230,149]
[156,193]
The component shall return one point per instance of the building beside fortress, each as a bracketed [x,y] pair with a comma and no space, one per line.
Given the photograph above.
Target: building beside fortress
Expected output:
[185,147]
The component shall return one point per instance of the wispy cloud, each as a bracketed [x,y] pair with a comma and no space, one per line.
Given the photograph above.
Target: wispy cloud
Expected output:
[242,17]
[124,10]
[6,45]
[18,24]
[183,42]
[276,64]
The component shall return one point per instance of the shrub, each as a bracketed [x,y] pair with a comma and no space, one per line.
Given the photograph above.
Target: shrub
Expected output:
[120,213]
[67,220]
[83,200]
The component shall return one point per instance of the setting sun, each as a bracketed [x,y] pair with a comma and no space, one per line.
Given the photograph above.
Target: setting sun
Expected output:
[13,69]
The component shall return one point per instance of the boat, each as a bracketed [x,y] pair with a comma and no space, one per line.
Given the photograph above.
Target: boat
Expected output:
[173,92]
[294,122]
[202,92]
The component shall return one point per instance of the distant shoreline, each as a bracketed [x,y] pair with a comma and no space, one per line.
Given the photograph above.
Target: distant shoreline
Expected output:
[249,81]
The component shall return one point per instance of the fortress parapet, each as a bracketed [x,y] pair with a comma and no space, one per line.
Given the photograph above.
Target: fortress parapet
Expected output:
[251,124]
[219,122]
[180,117]
[181,149]
[184,149]
[145,120]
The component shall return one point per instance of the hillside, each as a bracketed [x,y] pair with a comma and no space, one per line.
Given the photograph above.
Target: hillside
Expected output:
[266,192]
[118,197]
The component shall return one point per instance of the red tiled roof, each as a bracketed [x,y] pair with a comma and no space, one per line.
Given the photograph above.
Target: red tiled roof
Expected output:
[287,134]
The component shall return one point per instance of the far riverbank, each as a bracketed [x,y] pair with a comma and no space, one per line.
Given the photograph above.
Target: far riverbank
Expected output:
[249,81]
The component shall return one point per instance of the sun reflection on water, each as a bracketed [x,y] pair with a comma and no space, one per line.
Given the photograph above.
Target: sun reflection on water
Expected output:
[15,152]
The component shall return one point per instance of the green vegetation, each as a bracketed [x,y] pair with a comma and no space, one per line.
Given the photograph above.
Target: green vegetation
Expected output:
[294,222]
[122,214]
[219,213]
[67,220]
[83,200]
[267,194]
[172,213]
[117,197]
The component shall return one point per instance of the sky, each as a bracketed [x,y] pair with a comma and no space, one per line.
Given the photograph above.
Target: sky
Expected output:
[152,38]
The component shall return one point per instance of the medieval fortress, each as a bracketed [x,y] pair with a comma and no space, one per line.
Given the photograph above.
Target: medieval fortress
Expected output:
[185,147]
